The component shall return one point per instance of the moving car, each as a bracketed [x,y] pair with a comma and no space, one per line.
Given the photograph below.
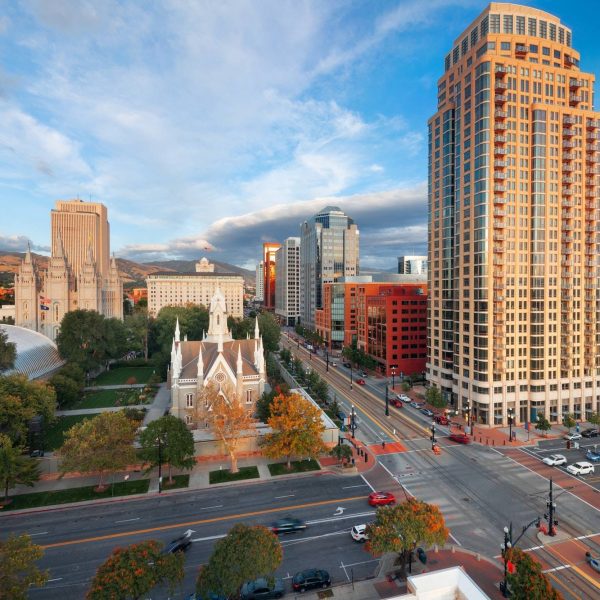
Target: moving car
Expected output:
[460,438]
[347,365]
[310,579]
[572,436]
[427,412]
[590,432]
[364,374]
[180,544]
[580,468]
[288,525]
[360,381]
[403,397]
[593,562]
[555,460]
[333,364]
[593,456]
[441,419]
[261,588]
[381,498]
[359,533]
[395,402]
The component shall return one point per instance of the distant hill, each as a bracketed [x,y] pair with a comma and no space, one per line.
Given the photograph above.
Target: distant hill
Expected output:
[129,270]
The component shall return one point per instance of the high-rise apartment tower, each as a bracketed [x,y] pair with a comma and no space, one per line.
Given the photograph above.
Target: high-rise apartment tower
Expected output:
[287,281]
[513,216]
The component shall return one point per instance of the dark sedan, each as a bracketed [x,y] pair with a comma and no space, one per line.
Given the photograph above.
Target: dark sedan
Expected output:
[591,432]
[180,544]
[310,579]
[288,525]
[262,588]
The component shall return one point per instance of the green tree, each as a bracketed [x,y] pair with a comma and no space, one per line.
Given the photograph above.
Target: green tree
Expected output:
[270,331]
[263,405]
[321,391]
[342,452]
[543,424]
[245,553]
[137,327]
[18,571]
[132,572]
[177,444]
[8,352]
[403,527]
[594,418]
[569,421]
[103,444]
[286,356]
[240,328]
[433,396]
[20,401]
[14,467]
[528,582]
[68,392]
[297,429]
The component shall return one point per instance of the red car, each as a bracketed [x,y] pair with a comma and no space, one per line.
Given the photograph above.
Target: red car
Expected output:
[381,498]
[441,419]
[395,402]
[460,438]
[360,381]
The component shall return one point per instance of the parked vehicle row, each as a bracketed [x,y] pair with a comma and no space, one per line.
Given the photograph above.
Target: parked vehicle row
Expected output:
[578,468]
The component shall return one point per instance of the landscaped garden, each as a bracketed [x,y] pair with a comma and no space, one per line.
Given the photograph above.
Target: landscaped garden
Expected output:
[124,376]
[122,397]
[54,435]
[298,466]
[226,475]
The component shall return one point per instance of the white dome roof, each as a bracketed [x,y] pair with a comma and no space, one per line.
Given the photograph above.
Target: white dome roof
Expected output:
[37,355]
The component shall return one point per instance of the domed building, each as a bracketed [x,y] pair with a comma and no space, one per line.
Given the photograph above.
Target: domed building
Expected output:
[37,355]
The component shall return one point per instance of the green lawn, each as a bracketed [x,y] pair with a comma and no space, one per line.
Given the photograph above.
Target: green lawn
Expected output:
[179,481]
[298,466]
[103,398]
[121,488]
[54,434]
[120,375]
[226,475]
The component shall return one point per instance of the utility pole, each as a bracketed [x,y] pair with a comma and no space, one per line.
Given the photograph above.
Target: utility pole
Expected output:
[353,421]
[326,360]
[387,401]
[350,375]
[551,512]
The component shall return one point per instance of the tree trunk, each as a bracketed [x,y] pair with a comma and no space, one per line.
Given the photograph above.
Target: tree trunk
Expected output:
[101,487]
[234,464]
[6,491]
[289,462]
[170,474]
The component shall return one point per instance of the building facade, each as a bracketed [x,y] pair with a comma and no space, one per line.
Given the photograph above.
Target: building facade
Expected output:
[260,282]
[80,274]
[235,367]
[287,281]
[513,217]
[412,265]
[269,274]
[329,250]
[197,288]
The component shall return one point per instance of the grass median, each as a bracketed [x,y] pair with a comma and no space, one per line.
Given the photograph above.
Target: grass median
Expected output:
[226,475]
[38,499]
[179,481]
[298,466]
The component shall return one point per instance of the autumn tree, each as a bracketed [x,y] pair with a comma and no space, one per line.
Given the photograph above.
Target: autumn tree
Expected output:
[227,417]
[8,352]
[594,418]
[132,572]
[20,401]
[18,571]
[103,444]
[15,468]
[403,527]
[297,429]
[528,582]
[245,553]
[177,444]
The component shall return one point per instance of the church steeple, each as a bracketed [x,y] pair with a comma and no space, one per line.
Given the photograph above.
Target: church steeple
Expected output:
[177,332]
[217,324]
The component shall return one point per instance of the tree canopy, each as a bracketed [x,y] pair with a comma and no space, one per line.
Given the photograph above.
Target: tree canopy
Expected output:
[245,553]
[20,401]
[297,429]
[434,397]
[15,468]
[528,582]
[543,424]
[103,444]
[177,444]
[403,527]
[132,572]
[359,357]
[18,571]
[8,352]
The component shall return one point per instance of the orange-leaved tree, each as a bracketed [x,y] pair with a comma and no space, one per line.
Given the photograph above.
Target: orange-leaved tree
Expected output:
[297,429]
[227,417]
[403,527]
[133,571]
[528,582]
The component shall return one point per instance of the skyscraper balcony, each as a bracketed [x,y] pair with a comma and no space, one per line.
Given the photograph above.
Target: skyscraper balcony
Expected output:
[568,168]
[499,126]
[501,114]
[500,139]
[575,83]
[500,85]
[499,150]
[521,49]
[569,156]
[501,70]
[500,98]
[592,123]
[575,99]
[569,120]
[568,132]
[500,175]
[567,191]
[569,144]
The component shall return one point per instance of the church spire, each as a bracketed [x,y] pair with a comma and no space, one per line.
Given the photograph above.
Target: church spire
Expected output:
[256,330]
[200,364]
[240,364]
[217,322]
[177,332]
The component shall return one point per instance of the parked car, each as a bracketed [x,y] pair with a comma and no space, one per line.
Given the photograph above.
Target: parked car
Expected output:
[403,397]
[364,374]
[180,544]
[593,562]
[593,456]
[360,381]
[580,468]
[460,438]
[427,412]
[310,579]
[261,588]
[347,365]
[288,525]
[572,436]
[590,432]
[555,460]
[395,402]
[381,498]
[441,419]
[333,364]
[359,533]
[417,405]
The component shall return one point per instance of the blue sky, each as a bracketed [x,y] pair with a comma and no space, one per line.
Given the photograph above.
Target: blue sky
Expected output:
[228,123]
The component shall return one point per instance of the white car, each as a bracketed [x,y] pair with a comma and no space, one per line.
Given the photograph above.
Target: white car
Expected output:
[555,460]
[572,436]
[403,397]
[580,468]
[359,533]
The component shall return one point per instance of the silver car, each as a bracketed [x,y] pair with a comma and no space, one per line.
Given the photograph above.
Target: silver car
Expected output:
[555,460]
[580,468]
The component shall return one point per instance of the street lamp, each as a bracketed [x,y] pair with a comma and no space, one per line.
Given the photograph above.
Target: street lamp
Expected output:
[353,421]
[510,412]
[432,434]
[350,375]
[326,360]
[160,443]
[387,401]
[505,548]
[393,369]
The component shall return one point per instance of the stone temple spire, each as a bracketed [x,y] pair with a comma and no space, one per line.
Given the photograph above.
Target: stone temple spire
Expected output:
[177,331]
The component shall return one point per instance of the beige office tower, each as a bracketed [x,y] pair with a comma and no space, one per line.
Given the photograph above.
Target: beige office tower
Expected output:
[513,215]
[80,273]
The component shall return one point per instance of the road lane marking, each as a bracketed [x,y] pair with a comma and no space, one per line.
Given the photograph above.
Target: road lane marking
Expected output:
[128,520]
[55,579]
[455,540]
[349,487]
[38,533]
[363,478]
[188,524]
[209,507]
[209,538]
[557,568]
[288,496]
[552,549]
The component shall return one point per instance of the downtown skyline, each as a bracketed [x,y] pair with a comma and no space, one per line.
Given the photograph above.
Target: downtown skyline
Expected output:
[228,125]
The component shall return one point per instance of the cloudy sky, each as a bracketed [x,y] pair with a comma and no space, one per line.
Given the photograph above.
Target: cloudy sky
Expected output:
[227,123]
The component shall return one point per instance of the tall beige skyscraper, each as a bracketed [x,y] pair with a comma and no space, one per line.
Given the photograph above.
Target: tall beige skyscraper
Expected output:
[80,273]
[513,216]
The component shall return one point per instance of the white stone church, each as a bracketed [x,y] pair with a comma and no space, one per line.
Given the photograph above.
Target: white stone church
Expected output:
[236,367]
